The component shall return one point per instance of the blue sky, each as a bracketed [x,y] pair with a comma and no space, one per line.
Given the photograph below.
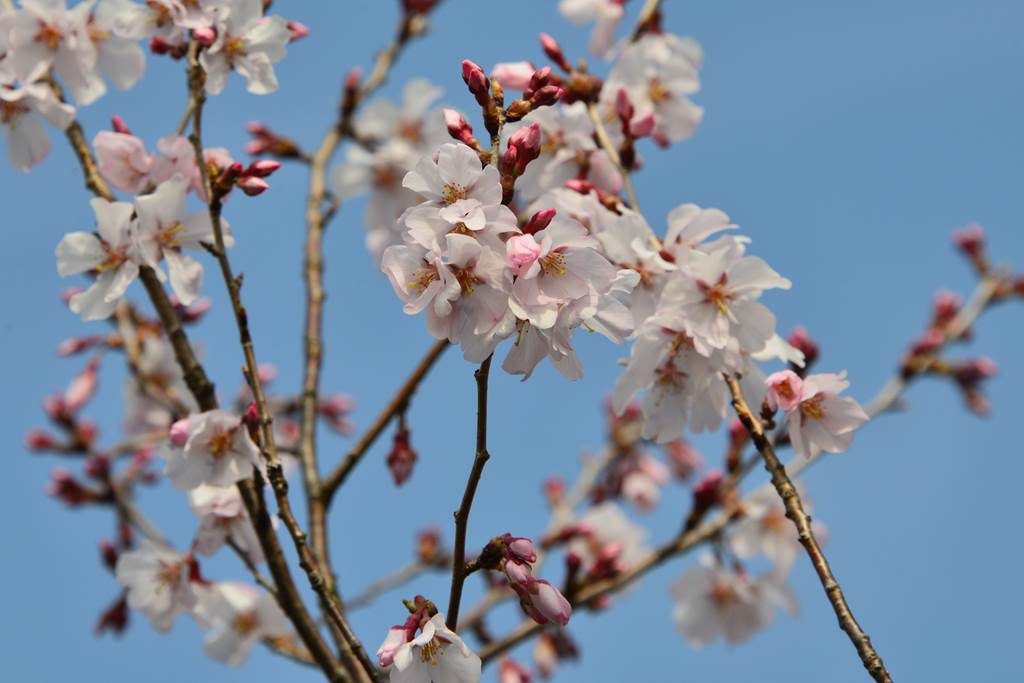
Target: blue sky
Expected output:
[847,139]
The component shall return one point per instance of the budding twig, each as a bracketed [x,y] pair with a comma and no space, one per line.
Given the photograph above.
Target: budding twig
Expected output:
[462,514]
[802,521]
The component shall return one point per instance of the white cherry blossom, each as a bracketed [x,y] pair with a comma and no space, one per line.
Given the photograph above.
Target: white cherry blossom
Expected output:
[238,616]
[222,518]
[817,417]
[21,106]
[218,451]
[158,581]
[454,173]
[249,43]
[109,252]
[436,655]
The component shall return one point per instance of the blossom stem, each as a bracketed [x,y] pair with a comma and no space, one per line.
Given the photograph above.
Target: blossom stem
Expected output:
[399,578]
[398,403]
[459,572]
[353,654]
[317,219]
[802,521]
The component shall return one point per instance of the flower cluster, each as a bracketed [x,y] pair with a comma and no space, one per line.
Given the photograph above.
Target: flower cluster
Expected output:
[424,649]
[92,43]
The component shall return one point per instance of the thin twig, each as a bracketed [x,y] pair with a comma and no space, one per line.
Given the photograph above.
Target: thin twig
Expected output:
[462,514]
[802,521]
[353,654]
[397,404]
[411,24]
[606,144]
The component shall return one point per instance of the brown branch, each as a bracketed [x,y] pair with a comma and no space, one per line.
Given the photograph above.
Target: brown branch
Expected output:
[387,583]
[648,14]
[353,654]
[411,24]
[396,405]
[462,514]
[802,521]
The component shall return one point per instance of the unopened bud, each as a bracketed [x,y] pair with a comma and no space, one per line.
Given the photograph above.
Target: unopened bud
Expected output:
[205,36]
[402,458]
[119,126]
[476,80]
[70,347]
[539,221]
[546,96]
[39,440]
[458,127]
[252,186]
[554,52]
[179,433]
[97,467]
[801,340]
[261,168]
[297,30]
[108,554]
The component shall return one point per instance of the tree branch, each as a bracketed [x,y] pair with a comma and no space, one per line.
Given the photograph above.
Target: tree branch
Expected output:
[462,514]
[353,654]
[802,521]
[396,405]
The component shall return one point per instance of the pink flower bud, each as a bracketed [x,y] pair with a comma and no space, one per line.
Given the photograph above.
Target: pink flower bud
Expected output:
[195,312]
[540,78]
[642,125]
[801,340]
[520,549]
[458,127]
[554,52]
[298,30]
[82,388]
[114,618]
[119,126]
[475,78]
[108,554]
[159,46]
[521,251]
[70,347]
[66,488]
[401,459]
[514,75]
[397,637]
[623,106]
[262,168]
[546,96]
[523,147]
[539,221]
[970,240]
[179,433]
[97,467]
[205,36]
[554,489]
[68,293]
[548,603]
[707,492]
[785,389]
[518,573]
[252,186]
[428,545]
[685,459]
[510,671]
[39,440]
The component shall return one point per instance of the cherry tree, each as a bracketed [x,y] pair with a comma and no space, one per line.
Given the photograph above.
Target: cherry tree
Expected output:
[506,218]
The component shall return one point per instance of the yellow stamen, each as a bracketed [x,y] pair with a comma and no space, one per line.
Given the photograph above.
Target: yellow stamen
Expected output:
[553,263]
[812,407]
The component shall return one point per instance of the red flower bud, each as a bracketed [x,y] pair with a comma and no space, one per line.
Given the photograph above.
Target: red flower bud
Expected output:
[252,186]
[119,126]
[554,52]
[539,221]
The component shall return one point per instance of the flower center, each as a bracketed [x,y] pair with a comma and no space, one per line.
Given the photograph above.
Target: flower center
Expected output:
[813,407]
[385,177]
[161,13]
[717,294]
[453,192]
[49,35]
[245,623]
[722,594]
[553,263]
[431,651]
[234,47]
[411,130]
[421,278]
[168,575]
[220,443]
[467,279]
[168,236]
[11,111]
[657,91]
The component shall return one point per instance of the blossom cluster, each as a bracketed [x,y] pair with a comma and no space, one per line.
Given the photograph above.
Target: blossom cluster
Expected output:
[92,43]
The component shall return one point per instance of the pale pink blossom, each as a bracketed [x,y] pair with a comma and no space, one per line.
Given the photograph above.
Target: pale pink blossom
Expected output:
[453,173]
[249,43]
[436,655]
[238,616]
[122,160]
[605,14]
[513,75]
[158,582]
[109,253]
[222,518]
[413,122]
[821,419]
[713,601]
[218,452]
[21,106]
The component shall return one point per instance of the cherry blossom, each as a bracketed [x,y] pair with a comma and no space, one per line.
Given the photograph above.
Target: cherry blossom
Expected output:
[218,452]
[158,581]
[412,122]
[713,601]
[436,655]
[817,417]
[249,43]
[122,160]
[164,231]
[109,252]
[765,530]
[21,105]
[121,60]
[658,72]
[454,173]
[44,34]
[238,616]
[222,518]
